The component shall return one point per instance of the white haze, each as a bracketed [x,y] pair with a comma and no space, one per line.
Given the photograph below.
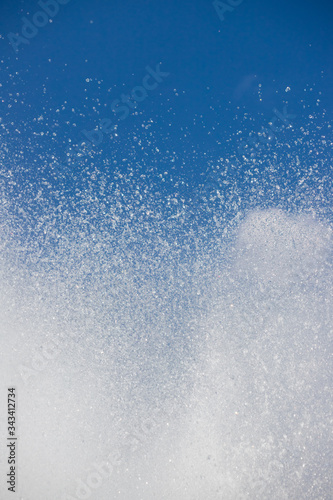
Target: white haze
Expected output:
[229,399]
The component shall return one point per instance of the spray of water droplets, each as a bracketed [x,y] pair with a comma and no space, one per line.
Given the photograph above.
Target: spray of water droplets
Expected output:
[170,345]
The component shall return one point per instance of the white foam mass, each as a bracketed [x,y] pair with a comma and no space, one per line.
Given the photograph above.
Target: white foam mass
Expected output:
[115,401]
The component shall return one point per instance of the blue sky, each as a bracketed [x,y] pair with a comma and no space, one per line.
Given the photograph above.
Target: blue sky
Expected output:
[67,77]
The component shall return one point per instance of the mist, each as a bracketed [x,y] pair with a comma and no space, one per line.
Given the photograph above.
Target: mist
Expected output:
[169,373]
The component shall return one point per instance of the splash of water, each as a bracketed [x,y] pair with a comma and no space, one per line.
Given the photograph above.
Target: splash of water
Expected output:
[145,370]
